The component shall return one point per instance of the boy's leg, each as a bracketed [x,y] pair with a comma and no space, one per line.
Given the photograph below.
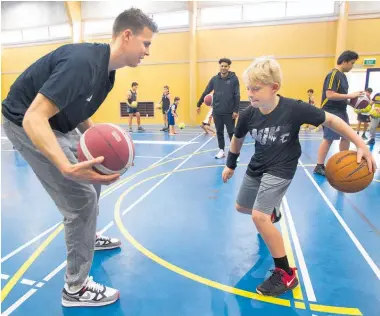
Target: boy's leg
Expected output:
[77,202]
[130,120]
[139,127]
[272,190]
[372,130]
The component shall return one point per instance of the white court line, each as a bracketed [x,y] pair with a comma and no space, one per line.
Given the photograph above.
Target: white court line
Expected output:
[356,242]
[163,142]
[301,259]
[27,282]
[55,271]
[115,187]
[4,276]
[28,243]
[21,300]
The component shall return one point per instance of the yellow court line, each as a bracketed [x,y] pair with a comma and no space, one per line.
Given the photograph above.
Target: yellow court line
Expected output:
[18,275]
[297,292]
[200,279]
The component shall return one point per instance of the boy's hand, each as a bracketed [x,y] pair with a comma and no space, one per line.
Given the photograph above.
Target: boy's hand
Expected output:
[363,152]
[227,174]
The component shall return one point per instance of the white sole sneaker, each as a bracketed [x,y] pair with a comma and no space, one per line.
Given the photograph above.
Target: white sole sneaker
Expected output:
[66,303]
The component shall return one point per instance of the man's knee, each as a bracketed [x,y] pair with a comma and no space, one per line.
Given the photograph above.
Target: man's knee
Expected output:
[259,217]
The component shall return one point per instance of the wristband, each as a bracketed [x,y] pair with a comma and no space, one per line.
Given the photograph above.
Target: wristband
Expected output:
[231,160]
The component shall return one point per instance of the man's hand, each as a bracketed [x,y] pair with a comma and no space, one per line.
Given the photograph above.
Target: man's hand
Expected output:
[198,110]
[357,94]
[235,115]
[84,172]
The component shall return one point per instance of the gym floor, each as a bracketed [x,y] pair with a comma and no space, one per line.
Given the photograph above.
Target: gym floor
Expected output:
[185,250]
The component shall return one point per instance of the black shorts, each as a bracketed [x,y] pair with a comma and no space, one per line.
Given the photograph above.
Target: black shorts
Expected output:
[364,118]
[165,110]
[328,133]
[132,110]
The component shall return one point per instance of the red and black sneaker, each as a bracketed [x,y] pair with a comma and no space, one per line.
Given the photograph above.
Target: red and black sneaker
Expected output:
[276,215]
[278,283]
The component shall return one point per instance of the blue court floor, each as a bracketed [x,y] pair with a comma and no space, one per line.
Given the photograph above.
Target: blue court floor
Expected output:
[186,251]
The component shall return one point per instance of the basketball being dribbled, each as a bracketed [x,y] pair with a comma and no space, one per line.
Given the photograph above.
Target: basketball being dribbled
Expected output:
[110,142]
[345,174]
[208,100]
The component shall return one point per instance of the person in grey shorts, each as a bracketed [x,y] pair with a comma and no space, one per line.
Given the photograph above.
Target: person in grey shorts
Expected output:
[274,123]
[45,106]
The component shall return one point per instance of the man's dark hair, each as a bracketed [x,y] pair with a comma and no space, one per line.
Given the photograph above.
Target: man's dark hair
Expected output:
[347,56]
[225,60]
[310,90]
[135,20]
[369,90]
[134,84]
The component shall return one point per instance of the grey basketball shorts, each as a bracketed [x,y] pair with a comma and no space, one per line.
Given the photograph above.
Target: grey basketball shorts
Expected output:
[262,193]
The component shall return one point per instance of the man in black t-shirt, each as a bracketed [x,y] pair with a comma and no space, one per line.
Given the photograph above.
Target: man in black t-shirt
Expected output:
[49,100]
[334,100]
[274,123]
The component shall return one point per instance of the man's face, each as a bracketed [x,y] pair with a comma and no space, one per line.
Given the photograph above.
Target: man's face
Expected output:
[224,68]
[135,46]
[348,65]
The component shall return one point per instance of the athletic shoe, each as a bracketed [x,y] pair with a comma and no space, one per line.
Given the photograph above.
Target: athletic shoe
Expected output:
[92,294]
[141,129]
[220,154]
[278,283]
[320,169]
[106,243]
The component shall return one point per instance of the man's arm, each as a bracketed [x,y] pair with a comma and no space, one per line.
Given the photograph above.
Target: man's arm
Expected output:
[85,125]
[236,96]
[332,95]
[37,127]
[208,89]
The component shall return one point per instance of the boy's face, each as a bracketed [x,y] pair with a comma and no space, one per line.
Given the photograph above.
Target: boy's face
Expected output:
[134,88]
[348,65]
[176,102]
[368,94]
[260,94]
[310,93]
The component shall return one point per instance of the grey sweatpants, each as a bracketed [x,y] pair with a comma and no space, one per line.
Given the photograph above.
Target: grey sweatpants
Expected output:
[77,202]
[372,127]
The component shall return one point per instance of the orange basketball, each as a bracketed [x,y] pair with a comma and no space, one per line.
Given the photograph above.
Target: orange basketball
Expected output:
[345,174]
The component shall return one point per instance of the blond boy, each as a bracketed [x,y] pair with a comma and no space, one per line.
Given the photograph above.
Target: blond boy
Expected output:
[274,122]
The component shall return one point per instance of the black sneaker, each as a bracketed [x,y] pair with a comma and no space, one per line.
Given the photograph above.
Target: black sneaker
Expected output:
[141,129]
[371,141]
[92,294]
[276,216]
[320,169]
[278,283]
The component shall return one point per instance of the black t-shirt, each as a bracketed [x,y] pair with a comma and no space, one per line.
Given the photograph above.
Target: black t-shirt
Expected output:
[165,102]
[74,77]
[335,81]
[133,96]
[277,146]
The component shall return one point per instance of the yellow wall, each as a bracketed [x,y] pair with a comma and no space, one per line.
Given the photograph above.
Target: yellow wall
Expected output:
[293,45]
[305,52]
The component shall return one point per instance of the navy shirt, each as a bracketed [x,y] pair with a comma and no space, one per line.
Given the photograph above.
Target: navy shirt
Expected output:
[74,77]
[335,81]
[277,146]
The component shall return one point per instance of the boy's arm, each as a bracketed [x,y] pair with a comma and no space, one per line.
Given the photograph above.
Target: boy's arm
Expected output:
[129,94]
[338,125]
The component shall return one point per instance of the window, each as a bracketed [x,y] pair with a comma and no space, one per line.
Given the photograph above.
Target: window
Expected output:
[171,19]
[59,31]
[264,10]
[304,8]
[146,109]
[98,27]
[11,37]
[221,14]
[35,34]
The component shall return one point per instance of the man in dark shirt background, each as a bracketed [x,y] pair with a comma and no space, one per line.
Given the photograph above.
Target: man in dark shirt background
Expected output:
[334,100]
[226,100]
[45,105]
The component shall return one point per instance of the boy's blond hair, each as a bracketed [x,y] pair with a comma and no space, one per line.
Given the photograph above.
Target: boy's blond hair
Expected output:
[265,70]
